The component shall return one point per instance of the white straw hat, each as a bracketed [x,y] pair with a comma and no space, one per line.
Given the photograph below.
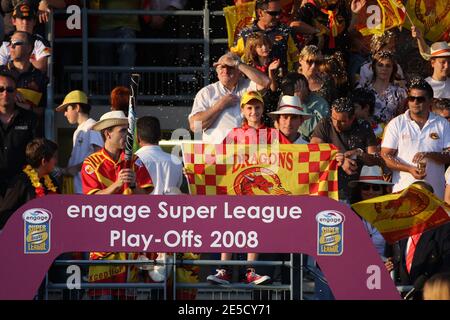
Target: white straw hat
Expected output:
[111,119]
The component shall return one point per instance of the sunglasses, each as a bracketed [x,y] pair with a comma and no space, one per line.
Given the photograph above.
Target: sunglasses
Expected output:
[17,43]
[420,99]
[7,89]
[273,13]
[374,187]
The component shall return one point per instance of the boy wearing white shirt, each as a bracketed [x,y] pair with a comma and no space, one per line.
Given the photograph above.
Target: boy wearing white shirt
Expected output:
[85,140]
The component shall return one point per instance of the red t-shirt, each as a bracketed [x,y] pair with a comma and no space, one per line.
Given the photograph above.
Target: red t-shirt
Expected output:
[250,135]
[99,171]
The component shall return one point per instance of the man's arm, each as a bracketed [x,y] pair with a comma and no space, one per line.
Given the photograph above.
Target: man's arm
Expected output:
[441,157]
[393,163]
[260,78]
[207,117]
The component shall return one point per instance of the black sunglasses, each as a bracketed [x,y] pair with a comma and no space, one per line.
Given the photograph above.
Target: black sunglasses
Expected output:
[374,187]
[420,99]
[273,13]
[7,89]
[17,43]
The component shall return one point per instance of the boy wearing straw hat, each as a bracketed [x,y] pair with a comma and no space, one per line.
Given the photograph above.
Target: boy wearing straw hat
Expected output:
[85,141]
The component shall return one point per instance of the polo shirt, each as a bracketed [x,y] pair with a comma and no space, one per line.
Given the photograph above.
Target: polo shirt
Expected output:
[99,171]
[230,117]
[14,138]
[404,135]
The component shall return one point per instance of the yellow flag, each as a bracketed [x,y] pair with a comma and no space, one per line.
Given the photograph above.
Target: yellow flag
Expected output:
[277,169]
[432,17]
[238,17]
[400,215]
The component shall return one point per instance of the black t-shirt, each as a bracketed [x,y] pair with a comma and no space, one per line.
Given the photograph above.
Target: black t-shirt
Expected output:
[360,135]
[14,138]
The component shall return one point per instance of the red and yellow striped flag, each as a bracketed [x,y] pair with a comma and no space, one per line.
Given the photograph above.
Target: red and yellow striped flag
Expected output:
[380,15]
[405,213]
[281,169]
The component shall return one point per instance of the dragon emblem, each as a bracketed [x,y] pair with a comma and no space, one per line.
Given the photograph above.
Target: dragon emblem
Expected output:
[258,181]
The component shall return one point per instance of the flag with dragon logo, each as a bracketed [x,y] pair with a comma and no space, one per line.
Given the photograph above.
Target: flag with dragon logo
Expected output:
[277,169]
[432,17]
[405,213]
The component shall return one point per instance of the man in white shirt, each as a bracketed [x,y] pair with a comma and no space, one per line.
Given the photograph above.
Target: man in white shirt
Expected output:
[165,169]
[440,62]
[24,19]
[415,144]
[216,107]
[85,140]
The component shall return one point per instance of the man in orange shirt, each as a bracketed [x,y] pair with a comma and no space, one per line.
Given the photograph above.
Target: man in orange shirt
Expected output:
[104,172]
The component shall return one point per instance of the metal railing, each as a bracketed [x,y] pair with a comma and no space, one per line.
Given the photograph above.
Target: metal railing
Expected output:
[166,85]
[204,290]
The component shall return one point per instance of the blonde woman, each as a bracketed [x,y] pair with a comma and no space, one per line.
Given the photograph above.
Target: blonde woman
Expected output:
[310,59]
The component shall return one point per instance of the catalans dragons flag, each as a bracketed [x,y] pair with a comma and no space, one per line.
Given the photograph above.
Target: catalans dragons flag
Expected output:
[237,18]
[405,213]
[277,169]
[380,15]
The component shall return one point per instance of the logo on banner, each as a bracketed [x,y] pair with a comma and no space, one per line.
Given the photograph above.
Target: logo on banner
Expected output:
[36,230]
[330,233]
[254,181]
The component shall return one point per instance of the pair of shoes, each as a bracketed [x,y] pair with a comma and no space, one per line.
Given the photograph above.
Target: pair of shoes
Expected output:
[223,276]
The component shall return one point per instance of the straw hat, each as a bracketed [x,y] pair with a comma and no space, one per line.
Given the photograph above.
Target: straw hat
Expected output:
[290,105]
[111,119]
[372,174]
[440,49]
[73,97]
[251,95]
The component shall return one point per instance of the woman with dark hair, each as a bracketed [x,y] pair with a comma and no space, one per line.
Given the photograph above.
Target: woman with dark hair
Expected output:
[34,181]
[389,96]
[370,185]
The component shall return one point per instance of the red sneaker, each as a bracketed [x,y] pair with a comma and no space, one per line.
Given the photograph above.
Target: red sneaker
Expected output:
[221,277]
[251,277]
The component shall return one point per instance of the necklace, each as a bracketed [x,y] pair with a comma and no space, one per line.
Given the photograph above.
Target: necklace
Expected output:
[39,188]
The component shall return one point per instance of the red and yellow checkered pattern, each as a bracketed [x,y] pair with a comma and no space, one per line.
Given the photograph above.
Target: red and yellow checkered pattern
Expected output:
[295,169]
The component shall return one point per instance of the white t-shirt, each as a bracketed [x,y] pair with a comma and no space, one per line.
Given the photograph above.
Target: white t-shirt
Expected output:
[230,117]
[405,135]
[40,50]
[441,89]
[447,176]
[164,169]
[84,140]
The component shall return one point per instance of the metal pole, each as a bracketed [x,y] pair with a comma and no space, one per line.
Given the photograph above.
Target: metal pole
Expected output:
[85,46]
[49,113]
[206,43]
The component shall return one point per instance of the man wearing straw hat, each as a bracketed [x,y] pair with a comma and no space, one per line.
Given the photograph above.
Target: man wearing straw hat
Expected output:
[85,141]
[104,172]
[289,117]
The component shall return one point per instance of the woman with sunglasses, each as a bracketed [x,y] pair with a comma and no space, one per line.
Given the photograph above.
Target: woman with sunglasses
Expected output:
[370,185]
[389,96]
[310,59]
